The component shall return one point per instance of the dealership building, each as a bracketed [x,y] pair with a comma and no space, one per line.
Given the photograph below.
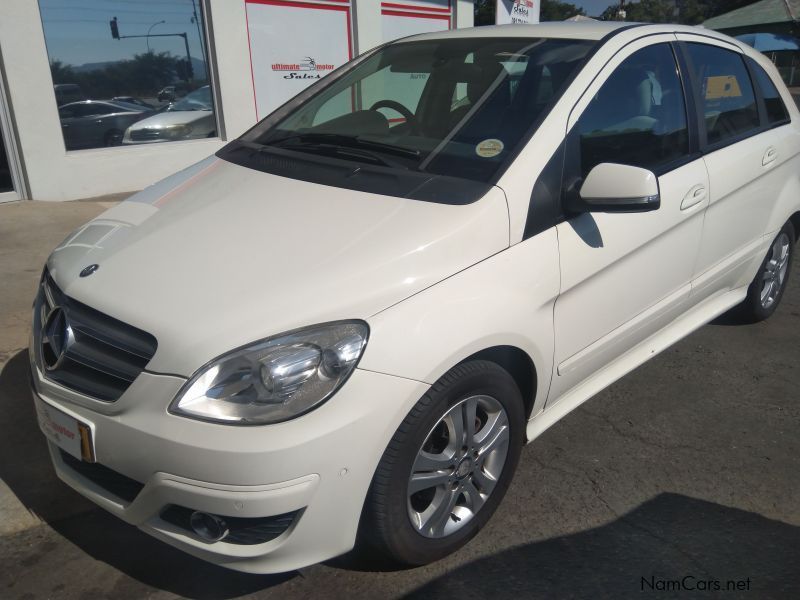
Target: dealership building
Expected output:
[169,81]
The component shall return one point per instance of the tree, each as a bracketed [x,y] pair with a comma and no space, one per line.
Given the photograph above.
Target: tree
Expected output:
[652,11]
[692,12]
[553,10]
[61,73]
[142,75]
[689,12]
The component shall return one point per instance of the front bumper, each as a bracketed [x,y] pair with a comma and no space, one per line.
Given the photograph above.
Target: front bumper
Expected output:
[318,466]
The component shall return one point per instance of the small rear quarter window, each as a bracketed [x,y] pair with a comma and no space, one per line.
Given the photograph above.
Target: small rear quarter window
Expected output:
[776,109]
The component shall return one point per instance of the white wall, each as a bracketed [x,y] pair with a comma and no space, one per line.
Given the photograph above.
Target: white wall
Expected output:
[55,174]
[367,25]
[465,13]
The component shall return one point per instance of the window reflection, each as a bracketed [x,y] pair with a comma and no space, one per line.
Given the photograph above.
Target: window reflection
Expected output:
[128,71]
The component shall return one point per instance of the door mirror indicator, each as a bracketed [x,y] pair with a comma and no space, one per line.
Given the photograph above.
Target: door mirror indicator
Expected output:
[610,187]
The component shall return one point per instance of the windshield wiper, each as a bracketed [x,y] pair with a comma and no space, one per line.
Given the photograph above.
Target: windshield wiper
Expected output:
[328,150]
[347,141]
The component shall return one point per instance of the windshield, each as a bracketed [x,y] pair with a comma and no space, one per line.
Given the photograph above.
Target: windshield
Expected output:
[197,100]
[457,107]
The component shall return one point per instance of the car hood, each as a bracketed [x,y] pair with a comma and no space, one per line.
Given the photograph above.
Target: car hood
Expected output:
[166,119]
[219,255]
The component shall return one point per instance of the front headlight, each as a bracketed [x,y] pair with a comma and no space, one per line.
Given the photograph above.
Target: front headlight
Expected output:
[177,131]
[275,379]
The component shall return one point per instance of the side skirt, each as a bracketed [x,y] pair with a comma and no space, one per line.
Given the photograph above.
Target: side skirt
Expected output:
[703,313]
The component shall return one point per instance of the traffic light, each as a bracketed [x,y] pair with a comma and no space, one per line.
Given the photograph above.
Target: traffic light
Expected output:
[114,28]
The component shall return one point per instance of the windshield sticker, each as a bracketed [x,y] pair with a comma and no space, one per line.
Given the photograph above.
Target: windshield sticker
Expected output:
[489,148]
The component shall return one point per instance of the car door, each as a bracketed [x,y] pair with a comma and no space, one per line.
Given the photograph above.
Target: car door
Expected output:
[69,119]
[743,153]
[97,123]
[82,127]
[624,276]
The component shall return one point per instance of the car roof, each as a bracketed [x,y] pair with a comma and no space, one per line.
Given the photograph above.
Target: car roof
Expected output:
[115,103]
[583,30]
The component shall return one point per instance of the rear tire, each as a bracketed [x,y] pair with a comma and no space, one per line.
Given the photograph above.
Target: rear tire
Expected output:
[766,291]
[447,467]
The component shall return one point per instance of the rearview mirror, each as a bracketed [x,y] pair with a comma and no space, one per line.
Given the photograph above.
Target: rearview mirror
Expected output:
[610,187]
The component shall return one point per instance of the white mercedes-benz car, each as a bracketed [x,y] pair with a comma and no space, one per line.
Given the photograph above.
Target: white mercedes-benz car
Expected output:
[342,328]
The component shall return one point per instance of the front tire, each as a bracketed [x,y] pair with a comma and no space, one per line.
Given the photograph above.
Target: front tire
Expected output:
[447,467]
[766,290]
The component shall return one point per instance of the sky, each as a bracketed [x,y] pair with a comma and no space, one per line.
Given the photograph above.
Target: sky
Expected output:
[77,31]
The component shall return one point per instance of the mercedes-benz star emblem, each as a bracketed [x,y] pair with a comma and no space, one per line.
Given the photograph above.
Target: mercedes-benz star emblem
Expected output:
[57,337]
[89,270]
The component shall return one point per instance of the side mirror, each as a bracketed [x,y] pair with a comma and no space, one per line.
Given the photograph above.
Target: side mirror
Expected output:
[611,187]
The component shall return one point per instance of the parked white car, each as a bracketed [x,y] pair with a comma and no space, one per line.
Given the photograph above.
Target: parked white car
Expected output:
[344,326]
[191,117]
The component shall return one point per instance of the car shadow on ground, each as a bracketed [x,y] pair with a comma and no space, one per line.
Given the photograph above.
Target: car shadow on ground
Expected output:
[665,543]
[26,469]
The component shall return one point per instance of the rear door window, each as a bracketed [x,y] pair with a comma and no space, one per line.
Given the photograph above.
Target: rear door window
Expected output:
[776,109]
[726,93]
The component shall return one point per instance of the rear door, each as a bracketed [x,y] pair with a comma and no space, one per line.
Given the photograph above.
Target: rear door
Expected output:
[67,116]
[625,276]
[742,153]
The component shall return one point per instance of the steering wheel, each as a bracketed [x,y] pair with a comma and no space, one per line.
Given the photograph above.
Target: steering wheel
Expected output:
[410,118]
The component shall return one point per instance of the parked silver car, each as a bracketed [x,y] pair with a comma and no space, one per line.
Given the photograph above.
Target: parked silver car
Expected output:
[97,123]
[190,117]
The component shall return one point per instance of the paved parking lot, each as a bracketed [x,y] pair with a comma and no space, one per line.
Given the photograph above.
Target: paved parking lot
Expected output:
[687,468]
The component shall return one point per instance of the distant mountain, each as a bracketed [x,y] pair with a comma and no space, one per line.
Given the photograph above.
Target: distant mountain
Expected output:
[86,67]
[198,66]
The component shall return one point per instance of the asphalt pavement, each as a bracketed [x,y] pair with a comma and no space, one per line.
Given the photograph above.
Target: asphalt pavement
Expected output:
[684,473]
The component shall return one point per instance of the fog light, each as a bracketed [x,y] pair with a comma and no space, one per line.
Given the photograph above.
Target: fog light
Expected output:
[209,527]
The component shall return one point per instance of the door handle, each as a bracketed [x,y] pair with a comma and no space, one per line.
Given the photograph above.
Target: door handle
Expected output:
[695,196]
[769,156]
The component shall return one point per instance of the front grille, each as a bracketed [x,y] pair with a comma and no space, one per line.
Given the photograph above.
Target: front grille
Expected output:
[115,483]
[242,531]
[140,135]
[83,349]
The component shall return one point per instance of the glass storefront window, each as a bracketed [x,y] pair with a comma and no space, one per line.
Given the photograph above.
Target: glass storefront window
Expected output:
[128,71]
[6,185]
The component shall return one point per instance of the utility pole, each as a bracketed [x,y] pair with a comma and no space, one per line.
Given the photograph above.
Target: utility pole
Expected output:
[113,23]
[148,32]
[201,39]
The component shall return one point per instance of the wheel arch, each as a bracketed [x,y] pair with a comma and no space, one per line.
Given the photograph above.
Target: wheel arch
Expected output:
[518,364]
[795,220]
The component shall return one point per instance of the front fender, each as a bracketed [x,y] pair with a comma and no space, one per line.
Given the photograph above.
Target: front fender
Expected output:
[505,300]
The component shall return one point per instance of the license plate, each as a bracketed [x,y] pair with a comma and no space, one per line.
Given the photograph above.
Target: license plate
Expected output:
[66,432]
